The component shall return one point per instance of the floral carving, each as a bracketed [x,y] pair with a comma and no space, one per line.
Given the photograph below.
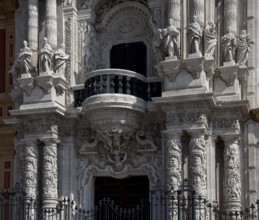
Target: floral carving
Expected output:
[187,117]
[226,123]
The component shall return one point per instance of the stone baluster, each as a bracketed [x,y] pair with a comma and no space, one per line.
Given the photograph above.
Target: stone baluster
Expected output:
[174,7]
[232,181]
[31,156]
[33,30]
[51,23]
[230,15]
[198,170]
[174,167]
[197,8]
[50,174]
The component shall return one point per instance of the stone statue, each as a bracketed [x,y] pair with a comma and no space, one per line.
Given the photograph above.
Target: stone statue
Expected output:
[170,37]
[60,60]
[194,35]
[23,63]
[46,56]
[229,45]
[243,47]
[25,58]
[210,39]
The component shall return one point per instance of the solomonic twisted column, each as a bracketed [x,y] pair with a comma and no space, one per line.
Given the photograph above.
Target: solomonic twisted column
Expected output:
[174,167]
[232,182]
[50,174]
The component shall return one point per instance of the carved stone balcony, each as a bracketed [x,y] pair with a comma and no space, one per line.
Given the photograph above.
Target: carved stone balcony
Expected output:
[117,81]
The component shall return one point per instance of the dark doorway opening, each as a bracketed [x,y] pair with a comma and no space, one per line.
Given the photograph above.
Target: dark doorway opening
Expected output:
[126,193]
[129,56]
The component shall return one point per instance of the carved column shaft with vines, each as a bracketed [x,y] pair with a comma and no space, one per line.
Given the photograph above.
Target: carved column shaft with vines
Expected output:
[232,181]
[50,174]
[174,165]
[198,165]
[230,15]
[30,169]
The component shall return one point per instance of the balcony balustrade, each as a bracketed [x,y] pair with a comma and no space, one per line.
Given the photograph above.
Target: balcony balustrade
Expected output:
[117,81]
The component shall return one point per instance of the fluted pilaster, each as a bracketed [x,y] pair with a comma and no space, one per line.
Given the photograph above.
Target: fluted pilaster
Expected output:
[230,15]
[33,29]
[174,12]
[197,9]
[51,22]
[50,174]
[232,181]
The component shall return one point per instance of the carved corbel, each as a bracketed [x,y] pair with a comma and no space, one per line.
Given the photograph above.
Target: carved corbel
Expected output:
[228,74]
[209,66]
[60,84]
[169,68]
[26,83]
[195,66]
[45,82]
[242,73]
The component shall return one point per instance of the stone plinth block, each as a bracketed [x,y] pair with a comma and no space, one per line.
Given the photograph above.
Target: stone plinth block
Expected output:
[227,87]
[26,83]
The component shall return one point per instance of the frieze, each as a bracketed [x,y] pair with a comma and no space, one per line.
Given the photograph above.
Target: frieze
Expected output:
[35,128]
[188,117]
[226,123]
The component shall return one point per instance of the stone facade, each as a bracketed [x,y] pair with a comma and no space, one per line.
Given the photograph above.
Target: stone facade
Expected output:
[80,116]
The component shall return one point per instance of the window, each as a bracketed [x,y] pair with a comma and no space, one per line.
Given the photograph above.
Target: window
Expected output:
[2,60]
[129,56]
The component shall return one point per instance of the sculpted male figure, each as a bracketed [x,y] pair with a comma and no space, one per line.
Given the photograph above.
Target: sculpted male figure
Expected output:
[170,37]
[229,45]
[25,58]
[60,59]
[210,39]
[194,35]
[243,47]
[46,56]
